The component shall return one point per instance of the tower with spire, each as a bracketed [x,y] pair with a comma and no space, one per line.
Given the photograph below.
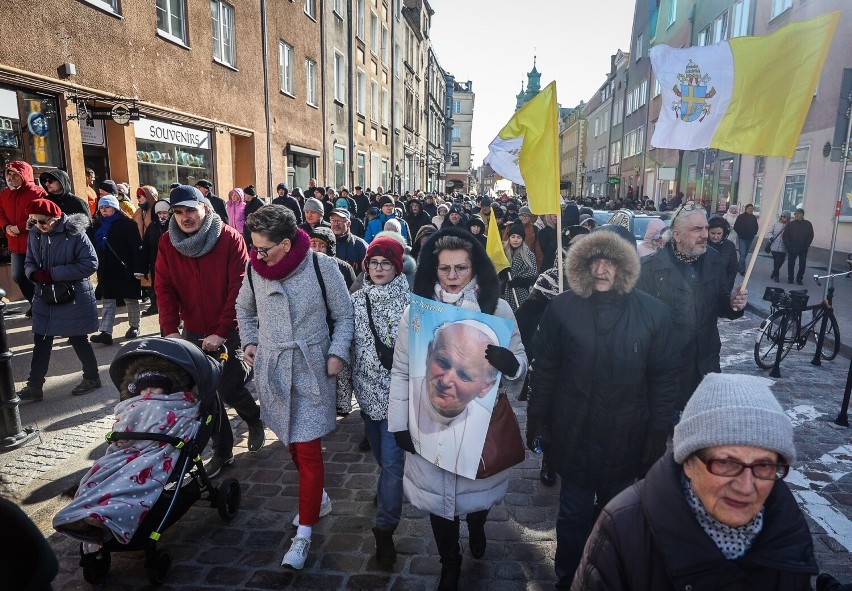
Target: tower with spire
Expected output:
[520,97]
[533,87]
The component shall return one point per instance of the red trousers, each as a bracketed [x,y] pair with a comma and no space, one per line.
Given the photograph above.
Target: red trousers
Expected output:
[307,456]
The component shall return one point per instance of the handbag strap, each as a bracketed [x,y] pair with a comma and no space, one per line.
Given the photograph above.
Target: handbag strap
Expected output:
[328,319]
[370,319]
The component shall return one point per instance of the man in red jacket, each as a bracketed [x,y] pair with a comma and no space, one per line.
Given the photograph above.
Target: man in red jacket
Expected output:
[20,191]
[200,267]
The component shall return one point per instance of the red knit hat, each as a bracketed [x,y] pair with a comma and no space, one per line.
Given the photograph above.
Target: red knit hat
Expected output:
[44,207]
[387,247]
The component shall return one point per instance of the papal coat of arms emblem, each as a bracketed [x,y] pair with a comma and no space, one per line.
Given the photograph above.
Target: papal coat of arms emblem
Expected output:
[693,94]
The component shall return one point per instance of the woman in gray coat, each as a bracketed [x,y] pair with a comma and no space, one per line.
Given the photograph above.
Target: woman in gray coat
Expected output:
[297,344]
[60,254]
[454,269]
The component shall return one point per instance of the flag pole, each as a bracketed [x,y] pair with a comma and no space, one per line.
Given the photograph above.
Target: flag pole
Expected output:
[559,246]
[768,221]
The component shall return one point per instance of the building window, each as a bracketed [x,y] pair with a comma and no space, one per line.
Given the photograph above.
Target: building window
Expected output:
[375,178]
[385,180]
[170,19]
[359,18]
[374,101]
[794,183]
[374,33]
[720,28]
[740,18]
[310,9]
[640,47]
[457,107]
[779,6]
[339,166]
[339,8]
[672,17]
[456,134]
[385,46]
[397,60]
[108,5]
[222,16]
[454,159]
[360,93]
[361,170]
[285,67]
[385,107]
[339,77]
[311,83]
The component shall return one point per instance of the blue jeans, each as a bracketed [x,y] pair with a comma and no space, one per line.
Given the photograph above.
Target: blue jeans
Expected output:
[391,459]
[578,509]
[743,246]
[26,286]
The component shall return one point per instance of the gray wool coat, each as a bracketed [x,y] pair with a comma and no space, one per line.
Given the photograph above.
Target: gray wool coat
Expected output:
[69,256]
[286,318]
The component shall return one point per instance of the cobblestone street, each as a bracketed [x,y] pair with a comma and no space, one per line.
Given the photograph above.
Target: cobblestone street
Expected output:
[246,552]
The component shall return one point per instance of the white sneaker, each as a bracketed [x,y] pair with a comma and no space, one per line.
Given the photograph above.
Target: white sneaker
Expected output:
[325,509]
[297,554]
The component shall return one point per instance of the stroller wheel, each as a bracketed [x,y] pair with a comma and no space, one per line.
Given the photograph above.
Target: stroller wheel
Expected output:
[158,571]
[228,498]
[95,566]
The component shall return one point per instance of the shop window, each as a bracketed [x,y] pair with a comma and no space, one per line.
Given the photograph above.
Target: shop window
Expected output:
[30,129]
[304,168]
[222,16]
[171,20]
[168,153]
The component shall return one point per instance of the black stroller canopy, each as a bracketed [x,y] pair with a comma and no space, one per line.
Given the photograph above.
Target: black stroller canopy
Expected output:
[204,370]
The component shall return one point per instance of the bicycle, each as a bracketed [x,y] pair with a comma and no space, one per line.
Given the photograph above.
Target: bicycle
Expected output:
[786,310]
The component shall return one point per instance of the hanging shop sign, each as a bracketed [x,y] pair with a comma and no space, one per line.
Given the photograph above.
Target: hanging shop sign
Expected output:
[121,113]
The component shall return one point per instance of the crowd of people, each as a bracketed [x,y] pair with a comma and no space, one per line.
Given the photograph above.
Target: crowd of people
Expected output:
[671,473]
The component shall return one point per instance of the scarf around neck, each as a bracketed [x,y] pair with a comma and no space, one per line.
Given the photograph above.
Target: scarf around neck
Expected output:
[299,248]
[200,243]
[467,298]
[103,230]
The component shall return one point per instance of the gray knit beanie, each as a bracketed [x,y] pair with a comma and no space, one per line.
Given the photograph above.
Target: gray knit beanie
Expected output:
[730,409]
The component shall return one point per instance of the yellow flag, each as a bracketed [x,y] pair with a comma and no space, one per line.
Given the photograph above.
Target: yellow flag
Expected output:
[494,246]
[526,151]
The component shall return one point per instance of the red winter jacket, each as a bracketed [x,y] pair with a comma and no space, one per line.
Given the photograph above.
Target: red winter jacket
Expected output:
[201,291]
[13,205]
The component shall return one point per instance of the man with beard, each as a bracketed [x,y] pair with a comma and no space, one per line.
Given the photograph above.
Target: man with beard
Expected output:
[200,268]
[58,187]
[690,280]
[606,425]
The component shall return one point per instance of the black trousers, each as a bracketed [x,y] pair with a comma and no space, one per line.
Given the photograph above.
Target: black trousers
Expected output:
[777,261]
[43,346]
[232,391]
[446,532]
[791,265]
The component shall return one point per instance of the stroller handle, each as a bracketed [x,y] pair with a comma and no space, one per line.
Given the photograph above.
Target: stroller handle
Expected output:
[220,354]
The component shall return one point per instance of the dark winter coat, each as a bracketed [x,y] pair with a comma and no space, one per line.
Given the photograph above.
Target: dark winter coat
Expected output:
[69,256]
[251,207]
[696,337]
[746,226]
[13,206]
[352,250]
[362,204]
[648,539]
[418,220]
[547,243]
[218,206]
[290,204]
[151,243]
[604,372]
[798,236]
[728,252]
[118,263]
[68,202]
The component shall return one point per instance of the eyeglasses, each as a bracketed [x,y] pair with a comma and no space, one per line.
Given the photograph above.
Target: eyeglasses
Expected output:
[41,222]
[459,269]
[263,252]
[383,265]
[733,468]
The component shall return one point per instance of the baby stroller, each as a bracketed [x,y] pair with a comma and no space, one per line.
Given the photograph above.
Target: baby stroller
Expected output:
[188,481]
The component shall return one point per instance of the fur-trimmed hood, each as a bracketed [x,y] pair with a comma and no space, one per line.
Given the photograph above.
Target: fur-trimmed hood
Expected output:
[608,245]
[427,269]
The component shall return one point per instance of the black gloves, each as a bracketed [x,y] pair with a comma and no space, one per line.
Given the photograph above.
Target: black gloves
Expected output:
[404,442]
[522,281]
[535,434]
[654,448]
[502,359]
[504,274]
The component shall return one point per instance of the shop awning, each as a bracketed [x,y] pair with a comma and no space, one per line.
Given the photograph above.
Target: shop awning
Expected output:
[303,150]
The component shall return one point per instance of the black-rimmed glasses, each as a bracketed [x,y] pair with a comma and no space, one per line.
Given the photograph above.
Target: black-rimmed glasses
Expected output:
[732,468]
[263,252]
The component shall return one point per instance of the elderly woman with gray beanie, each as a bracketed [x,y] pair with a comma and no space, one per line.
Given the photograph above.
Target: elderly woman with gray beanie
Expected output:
[713,513]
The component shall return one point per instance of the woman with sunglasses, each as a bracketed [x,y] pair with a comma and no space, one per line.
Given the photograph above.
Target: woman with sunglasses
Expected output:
[295,322]
[713,513]
[59,256]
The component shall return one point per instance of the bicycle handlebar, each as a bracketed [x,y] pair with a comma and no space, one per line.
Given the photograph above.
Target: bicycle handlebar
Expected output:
[830,276]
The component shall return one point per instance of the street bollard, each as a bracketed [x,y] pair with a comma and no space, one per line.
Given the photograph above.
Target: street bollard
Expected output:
[12,433]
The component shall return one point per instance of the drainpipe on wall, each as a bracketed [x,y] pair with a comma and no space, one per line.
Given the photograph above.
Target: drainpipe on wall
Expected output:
[350,62]
[264,39]
[322,98]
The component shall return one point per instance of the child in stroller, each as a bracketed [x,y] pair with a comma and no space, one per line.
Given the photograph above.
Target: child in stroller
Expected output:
[151,473]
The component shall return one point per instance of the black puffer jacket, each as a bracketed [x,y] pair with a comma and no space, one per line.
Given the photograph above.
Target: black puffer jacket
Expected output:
[647,539]
[603,375]
[696,337]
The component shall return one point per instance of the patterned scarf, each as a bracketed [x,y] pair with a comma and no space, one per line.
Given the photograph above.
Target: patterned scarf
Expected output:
[200,243]
[467,298]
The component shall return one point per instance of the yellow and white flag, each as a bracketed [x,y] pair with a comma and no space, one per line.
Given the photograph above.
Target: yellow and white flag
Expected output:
[494,245]
[747,95]
[526,151]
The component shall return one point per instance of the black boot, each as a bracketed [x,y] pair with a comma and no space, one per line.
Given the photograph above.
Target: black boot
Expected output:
[446,534]
[547,475]
[385,550]
[476,533]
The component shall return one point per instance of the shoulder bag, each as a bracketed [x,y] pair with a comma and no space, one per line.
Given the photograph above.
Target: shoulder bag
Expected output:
[504,446]
[384,352]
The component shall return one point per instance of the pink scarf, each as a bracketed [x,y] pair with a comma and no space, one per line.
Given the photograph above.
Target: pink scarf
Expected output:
[300,245]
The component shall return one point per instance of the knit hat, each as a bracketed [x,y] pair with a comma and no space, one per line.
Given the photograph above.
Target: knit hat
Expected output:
[730,409]
[281,186]
[151,379]
[393,225]
[123,189]
[387,247]
[525,211]
[186,196]
[384,200]
[315,205]
[109,187]
[108,201]
[162,205]
[44,207]
[517,227]
[445,207]
[785,213]
[341,202]
[250,190]
[204,183]
[327,236]
[486,202]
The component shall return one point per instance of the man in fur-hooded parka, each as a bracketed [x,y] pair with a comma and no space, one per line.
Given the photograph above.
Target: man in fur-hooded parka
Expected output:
[602,385]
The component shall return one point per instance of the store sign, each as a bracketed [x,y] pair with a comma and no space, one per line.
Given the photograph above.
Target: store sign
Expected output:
[92,135]
[159,131]
[613,180]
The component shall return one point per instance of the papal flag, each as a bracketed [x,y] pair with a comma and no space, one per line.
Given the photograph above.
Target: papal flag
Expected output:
[494,246]
[747,95]
[526,151]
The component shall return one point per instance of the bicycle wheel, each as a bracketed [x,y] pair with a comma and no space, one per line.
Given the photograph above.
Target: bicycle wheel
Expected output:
[770,337]
[831,344]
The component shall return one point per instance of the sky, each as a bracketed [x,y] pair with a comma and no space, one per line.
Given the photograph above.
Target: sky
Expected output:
[492,44]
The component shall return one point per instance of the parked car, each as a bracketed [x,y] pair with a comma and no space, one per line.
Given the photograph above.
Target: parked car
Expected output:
[601,216]
[636,222]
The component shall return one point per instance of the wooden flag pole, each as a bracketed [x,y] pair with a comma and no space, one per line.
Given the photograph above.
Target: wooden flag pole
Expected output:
[559,247]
